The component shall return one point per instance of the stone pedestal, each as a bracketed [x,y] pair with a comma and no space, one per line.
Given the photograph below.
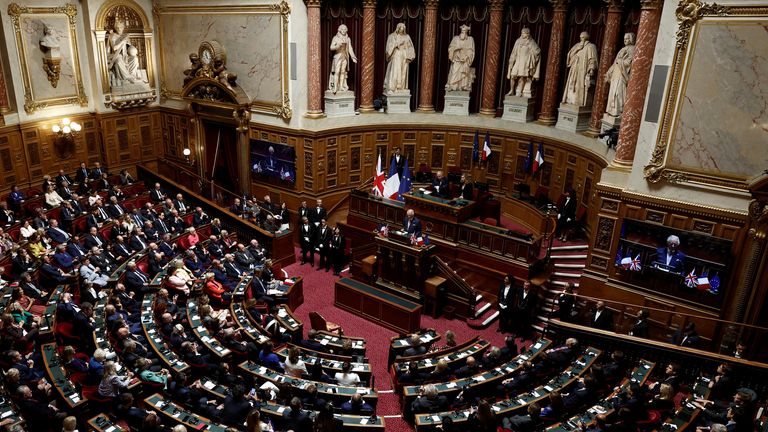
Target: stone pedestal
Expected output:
[609,122]
[399,103]
[573,118]
[456,103]
[341,104]
[518,109]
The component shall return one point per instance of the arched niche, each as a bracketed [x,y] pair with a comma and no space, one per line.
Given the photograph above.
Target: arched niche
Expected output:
[139,34]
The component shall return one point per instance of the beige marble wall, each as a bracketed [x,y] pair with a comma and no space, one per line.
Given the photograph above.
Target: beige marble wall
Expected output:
[698,194]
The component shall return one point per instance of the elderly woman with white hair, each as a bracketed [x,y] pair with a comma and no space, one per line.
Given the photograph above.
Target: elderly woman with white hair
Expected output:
[669,258]
[180,278]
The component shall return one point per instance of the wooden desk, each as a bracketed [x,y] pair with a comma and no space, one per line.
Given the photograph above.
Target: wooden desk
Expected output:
[351,422]
[402,268]
[512,406]
[168,357]
[383,308]
[333,366]
[176,414]
[397,345]
[287,320]
[201,333]
[426,205]
[58,378]
[336,342]
[240,316]
[102,423]
[473,347]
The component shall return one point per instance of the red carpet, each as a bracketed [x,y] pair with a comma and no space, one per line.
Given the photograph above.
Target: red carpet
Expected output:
[318,296]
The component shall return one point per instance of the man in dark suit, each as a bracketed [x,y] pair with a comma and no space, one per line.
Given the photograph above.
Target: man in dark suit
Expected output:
[57,234]
[322,244]
[506,298]
[135,279]
[669,257]
[440,185]
[416,347]
[7,217]
[180,204]
[53,272]
[96,172]
[120,248]
[566,215]
[156,194]
[318,213]
[412,224]
[602,318]
[306,241]
[234,271]
[524,310]
[63,179]
[64,191]
[690,338]
[296,419]
[524,423]
[81,175]
[429,401]
[640,327]
[399,161]
[337,250]
[114,209]
[200,217]
[303,211]
[64,260]
[93,238]
[138,242]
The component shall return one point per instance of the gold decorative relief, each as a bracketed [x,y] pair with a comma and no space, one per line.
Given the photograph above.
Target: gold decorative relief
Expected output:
[46,41]
[259,59]
[693,145]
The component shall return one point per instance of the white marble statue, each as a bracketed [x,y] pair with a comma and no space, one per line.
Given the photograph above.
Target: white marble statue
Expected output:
[461,53]
[49,43]
[618,77]
[399,54]
[582,64]
[524,65]
[133,65]
[342,46]
[117,46]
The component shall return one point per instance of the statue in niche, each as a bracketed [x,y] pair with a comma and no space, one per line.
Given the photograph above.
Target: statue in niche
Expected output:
[582,64]
[461,53]
[399,54]
[117,44]
[524,65]
[618,77]
[133,66]
[49,45]
[342,46]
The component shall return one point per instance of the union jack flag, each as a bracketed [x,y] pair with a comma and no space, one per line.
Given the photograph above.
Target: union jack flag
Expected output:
[384,230]
[635,265]
[691,281]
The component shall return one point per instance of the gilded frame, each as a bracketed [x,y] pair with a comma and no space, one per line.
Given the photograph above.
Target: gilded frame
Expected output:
[15,12]
[690,14]
[280,108]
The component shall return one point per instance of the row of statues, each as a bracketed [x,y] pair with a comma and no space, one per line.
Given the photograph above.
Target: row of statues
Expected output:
[524,66]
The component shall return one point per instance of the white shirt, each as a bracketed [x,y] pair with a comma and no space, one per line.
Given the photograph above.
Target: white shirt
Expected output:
[351,379]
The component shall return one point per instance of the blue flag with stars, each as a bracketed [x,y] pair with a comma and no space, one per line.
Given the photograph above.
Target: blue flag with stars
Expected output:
[405,183]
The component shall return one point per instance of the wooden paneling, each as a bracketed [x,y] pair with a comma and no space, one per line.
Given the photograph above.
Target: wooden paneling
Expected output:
[12,159]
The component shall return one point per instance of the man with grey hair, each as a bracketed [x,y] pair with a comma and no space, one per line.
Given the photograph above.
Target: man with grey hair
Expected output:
[669,258]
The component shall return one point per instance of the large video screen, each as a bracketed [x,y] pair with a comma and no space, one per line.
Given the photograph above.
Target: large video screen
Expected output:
[272,160]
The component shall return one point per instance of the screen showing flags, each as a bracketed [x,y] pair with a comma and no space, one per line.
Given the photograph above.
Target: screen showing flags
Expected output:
[714,284]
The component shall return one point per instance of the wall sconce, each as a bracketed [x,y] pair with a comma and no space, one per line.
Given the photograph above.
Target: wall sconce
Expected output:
[187,152]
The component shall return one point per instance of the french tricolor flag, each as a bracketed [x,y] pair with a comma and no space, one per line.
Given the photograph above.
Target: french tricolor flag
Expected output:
[487,146]
[702,282]
[538,160]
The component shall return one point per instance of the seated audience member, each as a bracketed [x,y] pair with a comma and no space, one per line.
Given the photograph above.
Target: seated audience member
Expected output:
[411,375]
[111,383]
[429,401]
[441,372]
[268,358]
[347,378]
[294,365]
[470,368]
[357,406]
[689,337]
[482,418]
[416,347]
[449,342]
[296,419]
[38,414]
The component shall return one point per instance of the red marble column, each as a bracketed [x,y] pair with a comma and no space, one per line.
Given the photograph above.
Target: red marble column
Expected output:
[631,117]
[426,83]
[548,115]
[367,56]
[5,105]
[314,72]
[492,56]
[607,54]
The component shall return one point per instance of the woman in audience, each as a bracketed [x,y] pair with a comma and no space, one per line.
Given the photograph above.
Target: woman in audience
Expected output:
[450,342]
[294,365]
[14,336]
[36,246]
[27,319]
[52,198]
[326,421]
[180,279]
[214,289]
[482,419]
[147,376]
[27,230]
[556,408]
[345,377]
[71,362]
[664,401]
[316,373]
[253,422]
[268,358]
[441,373]
[216,227]
[112,384]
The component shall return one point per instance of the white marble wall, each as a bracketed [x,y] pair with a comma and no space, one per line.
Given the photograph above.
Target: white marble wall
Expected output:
[636,182]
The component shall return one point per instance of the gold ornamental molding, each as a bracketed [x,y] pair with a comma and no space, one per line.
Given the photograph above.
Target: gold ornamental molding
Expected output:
[33,101]
[690,16]
[171,86]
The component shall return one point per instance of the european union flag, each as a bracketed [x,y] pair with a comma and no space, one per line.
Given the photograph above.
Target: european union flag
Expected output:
[476,149]
[714,284]
[619,256]
[529,158]
[405,183]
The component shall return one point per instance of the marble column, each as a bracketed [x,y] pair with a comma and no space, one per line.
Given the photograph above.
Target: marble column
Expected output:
[314,70]
[548,115]
[426,83]
[368,56]
[607,54]
[492,59]
[637,86]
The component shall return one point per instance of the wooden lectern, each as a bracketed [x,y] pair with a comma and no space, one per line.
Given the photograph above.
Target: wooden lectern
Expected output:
[403,268]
